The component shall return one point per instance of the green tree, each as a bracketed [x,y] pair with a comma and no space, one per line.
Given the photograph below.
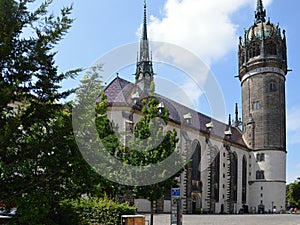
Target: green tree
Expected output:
[40,164]
[158,147]
[293,193]
[149,145]
[90,100]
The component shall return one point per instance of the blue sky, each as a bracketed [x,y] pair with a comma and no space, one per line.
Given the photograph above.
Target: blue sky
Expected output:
[209,29]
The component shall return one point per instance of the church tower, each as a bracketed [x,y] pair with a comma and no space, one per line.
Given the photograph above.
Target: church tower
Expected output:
[144,70]
[262,71]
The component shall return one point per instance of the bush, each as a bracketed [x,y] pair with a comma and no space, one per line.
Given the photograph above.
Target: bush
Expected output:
[100,211]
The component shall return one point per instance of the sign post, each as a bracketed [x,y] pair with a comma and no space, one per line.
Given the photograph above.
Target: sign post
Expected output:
[176,210]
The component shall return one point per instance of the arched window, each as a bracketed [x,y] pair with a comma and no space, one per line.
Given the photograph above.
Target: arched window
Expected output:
[196,158]
[272,86]
[233,176]
[215,175]
[244,180]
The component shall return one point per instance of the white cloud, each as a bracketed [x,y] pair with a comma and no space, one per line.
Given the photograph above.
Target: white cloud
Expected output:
[201,26]
[293,119]
[293,125]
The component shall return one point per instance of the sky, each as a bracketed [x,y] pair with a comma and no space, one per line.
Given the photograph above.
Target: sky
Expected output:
[207,29]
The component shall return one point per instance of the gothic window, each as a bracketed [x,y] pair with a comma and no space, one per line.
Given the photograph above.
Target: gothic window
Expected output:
[244,179]
[196,158]
[215,175]
[260,174]
[260,157]
[256,105]
[233,176]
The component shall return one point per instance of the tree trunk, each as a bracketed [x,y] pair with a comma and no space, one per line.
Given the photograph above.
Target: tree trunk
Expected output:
[152,212]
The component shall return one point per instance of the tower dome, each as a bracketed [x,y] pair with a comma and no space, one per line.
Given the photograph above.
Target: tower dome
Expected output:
[263,29]
[263,42]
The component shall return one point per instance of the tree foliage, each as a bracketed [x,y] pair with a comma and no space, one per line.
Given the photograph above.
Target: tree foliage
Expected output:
[40,164]
[90,100]
[293,194]
[150,145]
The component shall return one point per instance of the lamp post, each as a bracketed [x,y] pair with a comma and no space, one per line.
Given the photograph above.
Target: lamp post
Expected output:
[272,207]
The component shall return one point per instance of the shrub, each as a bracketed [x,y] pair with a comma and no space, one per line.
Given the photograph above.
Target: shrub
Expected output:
[101,211]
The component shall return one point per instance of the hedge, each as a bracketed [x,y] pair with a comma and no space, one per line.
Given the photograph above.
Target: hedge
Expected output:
[96,211]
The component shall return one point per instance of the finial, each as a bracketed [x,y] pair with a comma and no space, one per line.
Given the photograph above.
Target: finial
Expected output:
[117,74]
[229,120]
[260,12]
[236,113]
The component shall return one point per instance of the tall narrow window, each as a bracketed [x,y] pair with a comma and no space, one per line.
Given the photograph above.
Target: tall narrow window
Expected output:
[244,180]
[215,177]
[272,87]
[256,105]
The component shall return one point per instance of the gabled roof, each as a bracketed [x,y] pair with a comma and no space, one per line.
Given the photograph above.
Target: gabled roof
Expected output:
[119,93]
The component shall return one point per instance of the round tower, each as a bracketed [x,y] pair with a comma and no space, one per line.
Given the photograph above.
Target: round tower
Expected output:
[262,71]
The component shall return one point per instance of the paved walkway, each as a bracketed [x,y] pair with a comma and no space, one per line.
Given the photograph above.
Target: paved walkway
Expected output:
[278,219]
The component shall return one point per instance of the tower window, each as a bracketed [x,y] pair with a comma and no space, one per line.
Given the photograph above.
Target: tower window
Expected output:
[272,87]
[254,51]
[260,157]
[271,48]
[260,174]
[256,105]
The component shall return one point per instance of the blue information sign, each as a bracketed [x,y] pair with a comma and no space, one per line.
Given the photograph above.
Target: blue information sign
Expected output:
[175,192]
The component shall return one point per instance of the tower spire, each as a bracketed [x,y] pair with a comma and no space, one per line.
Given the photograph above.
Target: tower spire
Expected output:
[144,35]
[144,44]
[260,13]
[144,71]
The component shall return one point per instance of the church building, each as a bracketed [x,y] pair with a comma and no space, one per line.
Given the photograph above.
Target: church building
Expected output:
[238,165]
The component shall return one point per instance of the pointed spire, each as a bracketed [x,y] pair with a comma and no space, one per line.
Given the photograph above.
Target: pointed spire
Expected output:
[236,113]
[260,12]
[144,71]
[229,120]
[144,35]
[144,44]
